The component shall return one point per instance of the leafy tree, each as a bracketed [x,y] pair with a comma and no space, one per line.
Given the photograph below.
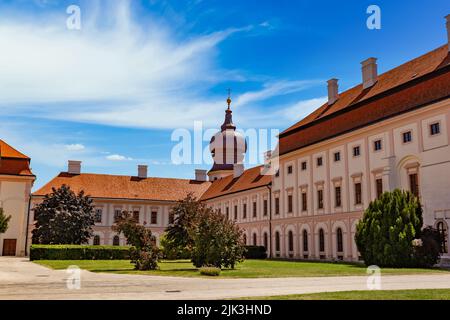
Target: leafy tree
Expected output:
[385,234]
[217,242]
[144,253]
[64,217]
[171,251]
[186,213]
[4,220]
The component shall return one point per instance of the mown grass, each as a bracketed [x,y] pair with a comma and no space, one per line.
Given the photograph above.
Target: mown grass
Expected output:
[419,294]
[247,269]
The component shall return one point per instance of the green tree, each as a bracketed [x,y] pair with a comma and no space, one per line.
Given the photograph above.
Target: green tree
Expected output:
[171,251]
[217,242]
[144,253]
[4,220]
[63,217]
[385,234]
[180,234]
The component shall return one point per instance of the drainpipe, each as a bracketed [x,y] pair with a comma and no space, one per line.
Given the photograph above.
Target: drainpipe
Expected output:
[269,186]
[28,223]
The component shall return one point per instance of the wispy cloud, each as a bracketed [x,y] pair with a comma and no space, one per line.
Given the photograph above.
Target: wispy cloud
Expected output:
[125,74]
[75,147]
[118,157]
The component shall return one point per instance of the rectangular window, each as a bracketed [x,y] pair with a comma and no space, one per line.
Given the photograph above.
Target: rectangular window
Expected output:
[379,186]
[171,218]
[136,216]
[435,128]
[290,204]
[227,210]
[98,215]
[319,161]
[358,196]
[337,194]
[289,169]
[377,145]
[337,156]
[407,137]
[117,214]
[319,199]
[254,209]
[277,205]
[235,212]
[154,217]
[265,207]
[304,201]
[277,173]
[244,211]
[356,151]
[303,165]
[414,184]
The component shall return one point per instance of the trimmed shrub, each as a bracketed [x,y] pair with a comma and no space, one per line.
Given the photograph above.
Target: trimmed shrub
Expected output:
[210,271]
[79,252]
[255,252]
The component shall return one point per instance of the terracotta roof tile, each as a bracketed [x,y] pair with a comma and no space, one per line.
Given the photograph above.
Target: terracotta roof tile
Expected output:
[251,178]
[126,187]
[13,162]
[418,82]
[6,151]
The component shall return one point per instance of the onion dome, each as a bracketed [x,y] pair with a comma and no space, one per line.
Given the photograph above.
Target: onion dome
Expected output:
[228,147]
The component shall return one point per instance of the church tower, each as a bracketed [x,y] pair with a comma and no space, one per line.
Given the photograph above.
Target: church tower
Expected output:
[227,148]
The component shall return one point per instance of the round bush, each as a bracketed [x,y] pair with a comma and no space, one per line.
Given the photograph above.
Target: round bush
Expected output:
[210,271]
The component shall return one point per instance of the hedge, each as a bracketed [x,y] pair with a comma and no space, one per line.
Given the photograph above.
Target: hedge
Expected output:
[255,252]
[79,252]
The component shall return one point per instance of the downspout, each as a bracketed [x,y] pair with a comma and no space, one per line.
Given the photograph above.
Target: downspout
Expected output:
[269,186]
[28,223]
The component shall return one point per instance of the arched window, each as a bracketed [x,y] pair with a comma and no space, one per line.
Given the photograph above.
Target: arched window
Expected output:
[277,241]
[442,228]
[321,241]
[266,240]
[340,245]
[245,239]
[305,240]
[291,241]
[254,239]
[116,240]
[96,240]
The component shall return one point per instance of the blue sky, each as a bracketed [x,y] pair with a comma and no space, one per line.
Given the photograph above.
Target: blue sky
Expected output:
[112,93]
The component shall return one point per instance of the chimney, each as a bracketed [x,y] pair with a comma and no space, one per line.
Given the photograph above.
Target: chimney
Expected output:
[448,31]
[238,170]
[74,167]
[142,171]
[333,93]
[369,72]
[200,175]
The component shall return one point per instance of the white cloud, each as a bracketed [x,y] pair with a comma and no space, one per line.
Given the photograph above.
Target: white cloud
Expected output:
[75,147]
[117,157]
[123,74]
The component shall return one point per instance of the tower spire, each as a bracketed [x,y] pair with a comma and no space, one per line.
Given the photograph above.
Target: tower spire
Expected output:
[229,98]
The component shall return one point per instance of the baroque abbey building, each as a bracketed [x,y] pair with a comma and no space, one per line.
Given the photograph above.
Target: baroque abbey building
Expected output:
[390,131]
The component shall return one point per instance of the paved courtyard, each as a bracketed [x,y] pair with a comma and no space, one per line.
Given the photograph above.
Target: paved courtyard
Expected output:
[21,279]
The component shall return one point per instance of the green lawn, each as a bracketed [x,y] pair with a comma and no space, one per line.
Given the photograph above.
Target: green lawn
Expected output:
[247,269]
[420,294]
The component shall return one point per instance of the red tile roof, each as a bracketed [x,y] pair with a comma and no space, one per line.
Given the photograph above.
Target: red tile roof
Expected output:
[13,162]
[6,151]
[126,187]
[250,179]
[416,83]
